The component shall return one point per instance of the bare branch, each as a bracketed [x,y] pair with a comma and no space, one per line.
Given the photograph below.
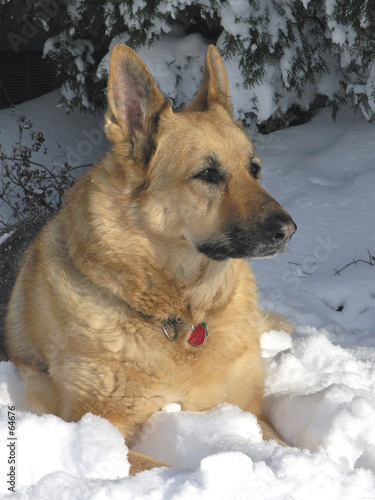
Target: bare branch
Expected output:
[371,258]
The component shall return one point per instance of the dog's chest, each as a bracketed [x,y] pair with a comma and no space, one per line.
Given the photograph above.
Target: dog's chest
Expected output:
[153,371]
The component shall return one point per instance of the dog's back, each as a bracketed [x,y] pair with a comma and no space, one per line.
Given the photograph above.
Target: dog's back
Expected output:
[17,238]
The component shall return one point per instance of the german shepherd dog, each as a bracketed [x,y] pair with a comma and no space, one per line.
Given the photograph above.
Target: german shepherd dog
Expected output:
[137,293]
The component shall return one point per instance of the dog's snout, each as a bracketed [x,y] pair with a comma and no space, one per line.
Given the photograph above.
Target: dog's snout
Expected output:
[280,229]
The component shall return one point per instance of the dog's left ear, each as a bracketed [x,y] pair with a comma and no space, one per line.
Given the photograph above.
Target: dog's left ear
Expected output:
[134,100]
[215,86]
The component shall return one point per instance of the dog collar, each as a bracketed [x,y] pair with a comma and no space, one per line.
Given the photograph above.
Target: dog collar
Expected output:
[198,335]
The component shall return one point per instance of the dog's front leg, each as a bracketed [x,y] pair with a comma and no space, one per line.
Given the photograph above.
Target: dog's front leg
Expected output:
[269,433]
[139,462]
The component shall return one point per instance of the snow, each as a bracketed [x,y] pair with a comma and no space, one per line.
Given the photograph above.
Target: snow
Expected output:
[76,450]
[245,26]
[230,15]
[320,387]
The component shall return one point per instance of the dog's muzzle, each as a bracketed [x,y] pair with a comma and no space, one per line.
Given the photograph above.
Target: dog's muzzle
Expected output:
[253,241]
[278,230]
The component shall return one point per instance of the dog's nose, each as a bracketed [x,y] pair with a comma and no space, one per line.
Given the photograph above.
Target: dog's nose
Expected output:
[280,229]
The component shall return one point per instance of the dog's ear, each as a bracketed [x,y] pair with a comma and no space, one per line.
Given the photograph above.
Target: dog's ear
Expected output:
[215,86]
[134,101]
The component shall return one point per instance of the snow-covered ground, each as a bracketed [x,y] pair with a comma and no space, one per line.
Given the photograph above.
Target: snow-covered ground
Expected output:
[320,385]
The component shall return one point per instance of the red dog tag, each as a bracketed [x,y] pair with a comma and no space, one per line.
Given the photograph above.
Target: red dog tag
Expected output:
[198,335]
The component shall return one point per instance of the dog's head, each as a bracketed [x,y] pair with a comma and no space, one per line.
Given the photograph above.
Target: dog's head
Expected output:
[190,176]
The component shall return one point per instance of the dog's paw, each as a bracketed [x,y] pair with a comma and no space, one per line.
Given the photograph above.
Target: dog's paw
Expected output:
[273,321]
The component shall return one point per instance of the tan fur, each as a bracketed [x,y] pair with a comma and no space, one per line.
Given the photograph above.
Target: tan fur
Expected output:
[84,323]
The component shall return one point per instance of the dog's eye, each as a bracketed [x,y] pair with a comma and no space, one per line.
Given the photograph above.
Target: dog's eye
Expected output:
[255,169]
[211,175]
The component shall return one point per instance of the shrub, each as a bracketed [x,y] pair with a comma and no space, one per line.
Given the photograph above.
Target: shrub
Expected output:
[30,188]
[279,53]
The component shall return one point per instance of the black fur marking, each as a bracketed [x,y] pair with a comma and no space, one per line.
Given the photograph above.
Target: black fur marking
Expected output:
[147,152]
[262,239]
[149,146]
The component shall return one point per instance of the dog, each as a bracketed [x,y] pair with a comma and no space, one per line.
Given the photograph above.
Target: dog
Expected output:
[137,294]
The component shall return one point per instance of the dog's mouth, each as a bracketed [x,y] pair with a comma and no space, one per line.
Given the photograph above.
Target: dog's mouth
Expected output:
[263,240]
